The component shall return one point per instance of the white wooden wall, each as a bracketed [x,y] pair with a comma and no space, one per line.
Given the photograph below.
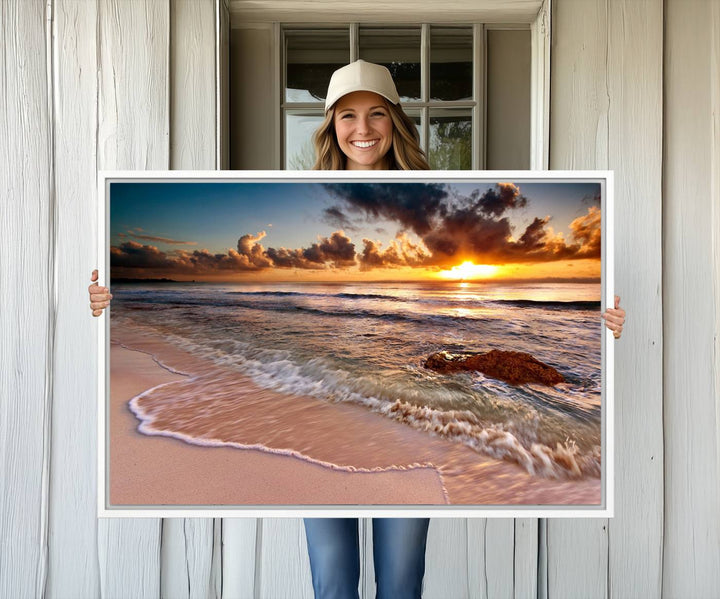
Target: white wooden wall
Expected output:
[606,113]
[120,84]
[691,291]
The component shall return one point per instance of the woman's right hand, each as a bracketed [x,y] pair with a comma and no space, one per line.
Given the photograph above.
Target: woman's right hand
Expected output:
[99,296]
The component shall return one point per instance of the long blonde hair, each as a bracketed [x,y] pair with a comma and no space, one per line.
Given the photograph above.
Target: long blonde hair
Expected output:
[405,154]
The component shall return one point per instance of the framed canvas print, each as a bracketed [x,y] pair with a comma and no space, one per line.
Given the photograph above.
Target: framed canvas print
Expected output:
[396,343]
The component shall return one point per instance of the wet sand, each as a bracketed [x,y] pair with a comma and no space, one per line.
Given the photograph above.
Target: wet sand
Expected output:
[288,449]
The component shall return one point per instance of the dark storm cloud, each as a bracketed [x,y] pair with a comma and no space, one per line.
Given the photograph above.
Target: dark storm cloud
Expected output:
[132,254]
[285,258]
[533,237]
[453,227]
[336,251]
[466,234]
[412,205]
[504,196]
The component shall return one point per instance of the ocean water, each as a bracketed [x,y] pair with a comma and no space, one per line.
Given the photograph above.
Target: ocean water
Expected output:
[365,343]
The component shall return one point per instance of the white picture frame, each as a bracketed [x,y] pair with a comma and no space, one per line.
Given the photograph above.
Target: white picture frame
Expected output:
[603,509]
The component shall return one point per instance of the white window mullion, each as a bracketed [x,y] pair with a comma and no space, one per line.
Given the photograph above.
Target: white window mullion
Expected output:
[280,60]
[425,86]
[354,41]
[479,86]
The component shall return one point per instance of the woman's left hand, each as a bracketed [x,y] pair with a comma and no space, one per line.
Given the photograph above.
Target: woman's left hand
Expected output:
[615,318]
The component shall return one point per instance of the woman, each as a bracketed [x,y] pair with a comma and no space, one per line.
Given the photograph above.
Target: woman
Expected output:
[365,129]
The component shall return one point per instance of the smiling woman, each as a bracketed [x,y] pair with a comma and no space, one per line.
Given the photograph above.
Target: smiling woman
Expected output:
[363,106]
[364,130]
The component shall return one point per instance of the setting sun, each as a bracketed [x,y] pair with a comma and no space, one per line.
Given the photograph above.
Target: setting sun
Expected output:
[468,270]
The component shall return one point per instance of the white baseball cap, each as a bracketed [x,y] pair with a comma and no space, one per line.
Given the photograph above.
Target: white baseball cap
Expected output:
[361,76]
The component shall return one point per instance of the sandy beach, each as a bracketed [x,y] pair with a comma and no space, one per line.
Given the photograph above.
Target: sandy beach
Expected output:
[285,449]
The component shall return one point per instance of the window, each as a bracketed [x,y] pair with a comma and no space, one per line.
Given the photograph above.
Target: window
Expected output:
[436,69]
[467,87]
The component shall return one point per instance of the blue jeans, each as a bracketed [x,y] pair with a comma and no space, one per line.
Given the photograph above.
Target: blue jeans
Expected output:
[398,552]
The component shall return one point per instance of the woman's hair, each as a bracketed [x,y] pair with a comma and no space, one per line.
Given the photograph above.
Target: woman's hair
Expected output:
[405,153]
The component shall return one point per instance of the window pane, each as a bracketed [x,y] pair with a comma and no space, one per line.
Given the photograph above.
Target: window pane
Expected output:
[414,114]
[299,149]
[311,57]
[451,56]
[508,99]
[399,50]
[450,139]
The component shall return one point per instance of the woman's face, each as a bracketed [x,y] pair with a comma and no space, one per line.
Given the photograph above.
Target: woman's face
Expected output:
[364,130]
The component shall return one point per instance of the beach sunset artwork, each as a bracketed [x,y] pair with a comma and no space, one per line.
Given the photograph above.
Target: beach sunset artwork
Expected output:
[297,342]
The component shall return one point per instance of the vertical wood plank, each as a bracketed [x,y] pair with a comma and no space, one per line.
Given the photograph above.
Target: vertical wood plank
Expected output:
[635,89]
[239,550]
[715,194]
[542,572]
[283,568]
[500,556]
[73,563]
[192,85]
[491,548]
[692,398]
[187,558]
[448,557]
[187,544]
[133,125]
[367,563]
[579,97]
[216,569]
[577,558]
[525,578]
[577,550]
[26,306]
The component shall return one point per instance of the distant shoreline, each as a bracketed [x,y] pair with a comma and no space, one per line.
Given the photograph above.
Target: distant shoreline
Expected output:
[113,280]
[583,281]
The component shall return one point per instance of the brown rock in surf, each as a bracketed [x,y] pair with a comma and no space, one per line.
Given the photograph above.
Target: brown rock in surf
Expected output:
[513,367]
